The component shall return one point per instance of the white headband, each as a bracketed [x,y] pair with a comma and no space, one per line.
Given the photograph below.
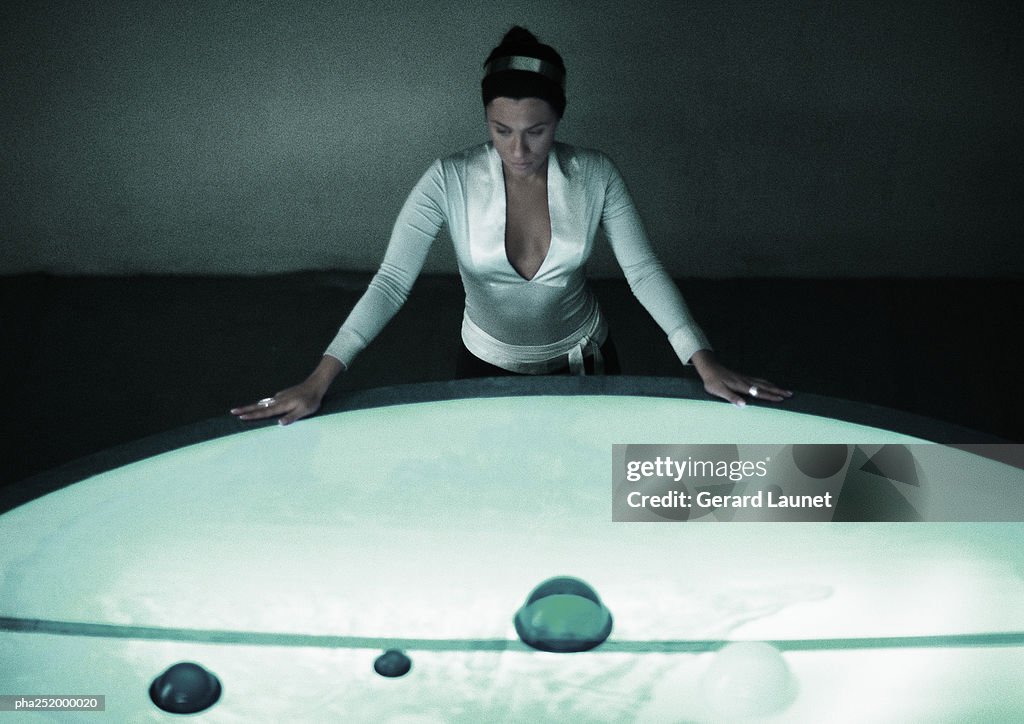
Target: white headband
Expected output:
[532,65]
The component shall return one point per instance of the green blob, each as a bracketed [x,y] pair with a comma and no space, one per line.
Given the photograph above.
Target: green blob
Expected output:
[563,615]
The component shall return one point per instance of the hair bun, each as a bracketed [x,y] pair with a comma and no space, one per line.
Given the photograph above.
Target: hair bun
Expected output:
[544,78]
[518,35]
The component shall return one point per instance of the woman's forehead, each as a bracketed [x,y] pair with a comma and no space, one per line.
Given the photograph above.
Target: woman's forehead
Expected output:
[520,111]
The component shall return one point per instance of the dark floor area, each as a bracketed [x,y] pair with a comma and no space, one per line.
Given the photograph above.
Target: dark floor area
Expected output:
[91,363]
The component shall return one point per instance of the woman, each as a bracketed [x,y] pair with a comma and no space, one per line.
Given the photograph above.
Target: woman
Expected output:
[522,212]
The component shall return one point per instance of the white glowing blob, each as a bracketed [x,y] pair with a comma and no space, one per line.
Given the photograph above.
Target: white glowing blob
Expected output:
[748,678]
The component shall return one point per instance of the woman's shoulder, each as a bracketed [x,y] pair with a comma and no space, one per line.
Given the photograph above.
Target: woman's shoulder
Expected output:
[587,163]
[461,164]
[580,153]
[466,156]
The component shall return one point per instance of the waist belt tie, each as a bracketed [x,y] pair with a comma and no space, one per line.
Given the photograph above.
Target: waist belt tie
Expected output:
[576,354]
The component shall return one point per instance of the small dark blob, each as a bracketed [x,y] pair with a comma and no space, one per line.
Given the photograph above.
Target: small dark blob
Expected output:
[392,663]
[185,688]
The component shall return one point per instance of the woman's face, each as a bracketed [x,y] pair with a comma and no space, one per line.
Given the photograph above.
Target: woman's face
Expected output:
[523,131]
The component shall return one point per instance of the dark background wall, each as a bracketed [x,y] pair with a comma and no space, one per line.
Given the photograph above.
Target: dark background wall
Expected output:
[792,138]
[150,150]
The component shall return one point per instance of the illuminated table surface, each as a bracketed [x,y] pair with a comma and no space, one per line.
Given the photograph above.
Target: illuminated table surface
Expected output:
[424,526]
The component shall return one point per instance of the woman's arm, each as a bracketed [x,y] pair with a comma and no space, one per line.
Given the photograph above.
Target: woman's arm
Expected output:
[647,279]
[654,288]
[415,229]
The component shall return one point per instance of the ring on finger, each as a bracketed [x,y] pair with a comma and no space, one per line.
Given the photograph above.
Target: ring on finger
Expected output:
[266,402]
[753,391]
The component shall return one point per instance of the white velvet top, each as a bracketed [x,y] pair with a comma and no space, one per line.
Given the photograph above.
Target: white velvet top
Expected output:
[535,325]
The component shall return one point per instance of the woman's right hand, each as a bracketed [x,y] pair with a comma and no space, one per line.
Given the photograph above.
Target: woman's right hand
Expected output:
[295,402]
[292,404]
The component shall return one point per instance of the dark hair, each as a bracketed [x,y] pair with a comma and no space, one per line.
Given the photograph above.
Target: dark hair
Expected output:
[546,81]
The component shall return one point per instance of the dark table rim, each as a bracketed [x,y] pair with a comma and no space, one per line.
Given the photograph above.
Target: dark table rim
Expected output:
[662,387]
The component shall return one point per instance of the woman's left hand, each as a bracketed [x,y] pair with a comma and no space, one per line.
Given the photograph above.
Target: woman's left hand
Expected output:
[732,386]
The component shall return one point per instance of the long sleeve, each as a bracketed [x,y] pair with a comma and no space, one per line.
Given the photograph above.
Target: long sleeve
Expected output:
[648,281]
[415,229]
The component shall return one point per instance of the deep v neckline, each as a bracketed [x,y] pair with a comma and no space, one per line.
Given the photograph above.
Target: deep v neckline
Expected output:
[504,217]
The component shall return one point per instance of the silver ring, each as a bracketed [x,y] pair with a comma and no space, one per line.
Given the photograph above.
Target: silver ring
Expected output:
[752,391]
[266,402]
